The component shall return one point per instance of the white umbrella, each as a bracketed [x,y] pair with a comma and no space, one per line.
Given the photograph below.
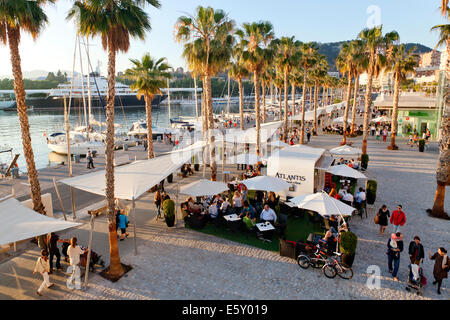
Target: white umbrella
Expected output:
[339,120]
[203,187]
[346,151]
[279,144]
[381,119]
[344,170]
[323,204]
[266,183]
[244,158]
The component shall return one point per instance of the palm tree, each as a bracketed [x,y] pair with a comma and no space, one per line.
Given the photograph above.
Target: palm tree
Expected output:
[360,62]
[278,81]
[149,77]
[238,72]
[296,80]
[307,60]
[376,45]
[443,167]
[115,21]
[17,16]
[255,39]
[318,73]
[207,37]
[401,63]
[287,57]
[265,81]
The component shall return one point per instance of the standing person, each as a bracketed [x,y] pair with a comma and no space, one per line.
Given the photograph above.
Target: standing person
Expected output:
[43,267]
[378,131]
[158,203]
[237,202]
[416,251]
[372,129]
[308,134]
[90,160]
[398,218]
[385,134]
[395,246]
[52,242]
[123,224]
[383,215]
[74,251]
[441,267]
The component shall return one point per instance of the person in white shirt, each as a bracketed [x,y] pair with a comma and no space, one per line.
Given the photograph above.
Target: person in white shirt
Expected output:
[225,205]
[268,214]
[213,211]
[74,251]
[43,267]
[348,198]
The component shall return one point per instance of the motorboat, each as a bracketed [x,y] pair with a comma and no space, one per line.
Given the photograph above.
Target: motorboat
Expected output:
[139,130]
[57,142]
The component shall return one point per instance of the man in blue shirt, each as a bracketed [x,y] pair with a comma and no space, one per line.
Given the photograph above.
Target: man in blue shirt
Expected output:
[248,208]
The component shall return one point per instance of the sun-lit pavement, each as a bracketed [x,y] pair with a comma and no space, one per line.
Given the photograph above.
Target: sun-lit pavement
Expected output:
[184,264]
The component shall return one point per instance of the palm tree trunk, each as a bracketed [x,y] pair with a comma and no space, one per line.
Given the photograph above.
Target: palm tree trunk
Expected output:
[264,102]
[347,108]
[302,133]
[116,269]
[286,105]
[394,124]
[331,96]
[241,102]
[148,111]
[352,131]
[212,148]
[310,97]
[368,103]
[281,105]
[19,91]
[258,114]
[293,100]
[316,101]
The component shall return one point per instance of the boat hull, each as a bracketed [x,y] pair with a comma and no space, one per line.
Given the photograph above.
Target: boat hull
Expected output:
[77,148]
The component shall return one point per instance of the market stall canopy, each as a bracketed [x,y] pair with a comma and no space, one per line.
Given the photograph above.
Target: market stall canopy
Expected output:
[339,120]
[249,135]
[244,158]
[323,204]
[20,223]
[133,180]
[381,119]
[279,144]
[346,151]
[266,183]
[344,170]
[204,187]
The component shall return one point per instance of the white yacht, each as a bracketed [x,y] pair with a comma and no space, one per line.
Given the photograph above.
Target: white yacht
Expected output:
[56,142]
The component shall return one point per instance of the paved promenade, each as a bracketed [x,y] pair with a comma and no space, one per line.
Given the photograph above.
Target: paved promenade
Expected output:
[183,264]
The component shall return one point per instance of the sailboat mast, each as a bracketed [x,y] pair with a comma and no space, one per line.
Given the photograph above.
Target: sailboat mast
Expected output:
[82,88]
[89,88]
[196,98]
[228,100]
[168,99]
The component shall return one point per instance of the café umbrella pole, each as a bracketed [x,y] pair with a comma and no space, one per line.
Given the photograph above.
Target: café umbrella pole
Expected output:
[134,219]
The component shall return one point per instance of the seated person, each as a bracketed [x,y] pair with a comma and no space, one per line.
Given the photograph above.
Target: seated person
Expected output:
[249,222]
[268,214]
[341,161]
[272,200]
[354,164]
[184,170]
[213,210]
[225,205]
[248,208]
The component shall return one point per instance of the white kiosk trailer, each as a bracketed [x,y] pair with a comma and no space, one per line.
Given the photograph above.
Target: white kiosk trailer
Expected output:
[303,167]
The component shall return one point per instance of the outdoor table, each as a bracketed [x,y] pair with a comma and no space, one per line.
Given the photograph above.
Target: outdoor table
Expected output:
[232,217]
[233,222]
[266,228]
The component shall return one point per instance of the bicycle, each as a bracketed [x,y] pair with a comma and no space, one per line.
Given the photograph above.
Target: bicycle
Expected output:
[334,267]
[319,259]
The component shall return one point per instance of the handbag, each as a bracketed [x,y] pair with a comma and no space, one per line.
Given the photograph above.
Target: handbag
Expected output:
[376,220]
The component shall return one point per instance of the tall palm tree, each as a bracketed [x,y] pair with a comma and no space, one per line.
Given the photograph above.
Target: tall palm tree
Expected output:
[17,16]
[443,167]
[265,82]
[208,37]
[296,80]
[115,21]
[149,76]
[255,39]
[318,73]
[238,72]
[401,63]
[360,62]
[308,58]
[278,81]
[287,57]
[345,63]
[376,45]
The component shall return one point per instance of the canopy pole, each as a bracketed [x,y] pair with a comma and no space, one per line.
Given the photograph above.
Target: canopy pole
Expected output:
[134,218]
[342,219]
[69,156]
[88,259]
[59,198]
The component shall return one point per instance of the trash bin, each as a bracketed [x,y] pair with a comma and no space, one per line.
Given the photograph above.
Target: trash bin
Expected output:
[15,173]
[125,147]
[76,158]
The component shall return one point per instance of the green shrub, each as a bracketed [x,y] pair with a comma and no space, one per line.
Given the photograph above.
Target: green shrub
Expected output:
[169,208]
[364,160]
[348,243]
[371,191]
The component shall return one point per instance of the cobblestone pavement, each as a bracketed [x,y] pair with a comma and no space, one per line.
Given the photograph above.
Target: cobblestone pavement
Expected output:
[183,264]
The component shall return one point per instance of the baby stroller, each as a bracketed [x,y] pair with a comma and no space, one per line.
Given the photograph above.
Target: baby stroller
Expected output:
[416,279]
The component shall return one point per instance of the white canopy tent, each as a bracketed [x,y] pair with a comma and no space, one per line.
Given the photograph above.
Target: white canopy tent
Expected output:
[323,204]
[266,183]
[278,143]
[244,158]
[20,223]
[381,119]
[340,120]
[346,151]
[249,135]
[204,187]
[344,170]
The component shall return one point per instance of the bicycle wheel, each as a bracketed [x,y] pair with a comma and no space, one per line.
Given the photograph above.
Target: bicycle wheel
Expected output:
[303,261]
[329,271]
[318,264]
[345,273]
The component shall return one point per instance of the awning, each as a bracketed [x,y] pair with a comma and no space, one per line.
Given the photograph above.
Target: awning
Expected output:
[20,223]
[204,187]
[324,163]
[344,170]
[133,180]
[323,204]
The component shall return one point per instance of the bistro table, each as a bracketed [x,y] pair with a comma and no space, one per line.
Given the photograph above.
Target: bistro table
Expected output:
[233,222]
[232,217]
[266,228]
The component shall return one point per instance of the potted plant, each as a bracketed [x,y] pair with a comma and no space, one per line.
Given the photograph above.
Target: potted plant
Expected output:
[421,145]
[364,160]
[169,212]
[347,246]
[371,191]
[170,178]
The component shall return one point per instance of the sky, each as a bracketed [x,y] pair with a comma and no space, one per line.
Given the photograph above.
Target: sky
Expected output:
[320,20]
